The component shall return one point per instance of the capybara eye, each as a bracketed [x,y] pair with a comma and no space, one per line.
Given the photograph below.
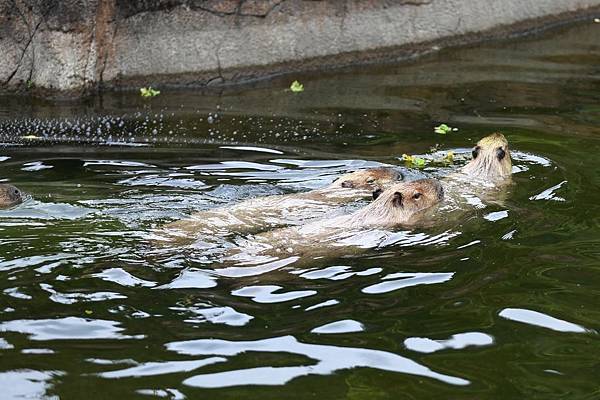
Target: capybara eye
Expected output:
[500,153]
[475,152]
[376,193]
[370,180]
[397,199]
[417,196]
[16,192]
[347,184]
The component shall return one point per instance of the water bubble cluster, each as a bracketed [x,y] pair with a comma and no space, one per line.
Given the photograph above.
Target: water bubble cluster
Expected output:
[145,127]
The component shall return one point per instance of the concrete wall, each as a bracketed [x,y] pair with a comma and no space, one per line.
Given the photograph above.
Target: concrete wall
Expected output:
[71,47]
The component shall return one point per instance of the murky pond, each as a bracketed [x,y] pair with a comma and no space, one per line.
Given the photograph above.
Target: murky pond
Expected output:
[498,303]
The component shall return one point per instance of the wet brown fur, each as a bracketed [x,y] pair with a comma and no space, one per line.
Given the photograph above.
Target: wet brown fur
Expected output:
[401,204]
[263,212]
[486,164]
[10,196]
[366,179]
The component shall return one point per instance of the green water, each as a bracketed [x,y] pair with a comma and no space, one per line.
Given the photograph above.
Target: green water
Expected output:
[500,304]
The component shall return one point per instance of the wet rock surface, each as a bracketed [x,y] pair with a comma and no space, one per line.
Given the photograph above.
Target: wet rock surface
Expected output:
[72,47]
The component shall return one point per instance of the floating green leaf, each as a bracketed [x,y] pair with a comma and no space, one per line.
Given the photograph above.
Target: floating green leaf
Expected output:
[443,129]
[149,92]
[88,312]
[416,161]
[297,87]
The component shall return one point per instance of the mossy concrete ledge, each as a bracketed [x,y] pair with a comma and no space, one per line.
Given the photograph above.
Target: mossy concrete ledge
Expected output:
[73,47]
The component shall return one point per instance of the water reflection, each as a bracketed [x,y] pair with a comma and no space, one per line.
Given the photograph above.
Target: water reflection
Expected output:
[540,319]
[401,280]
[345,326]
[122,277]
[496,215]
[37,210]
[67,328]
[216,315]
[266,293]
[171,393]
[188,279]
[4,345]
[335,273]
[156,368]
[327,303]
[328,360]
[71,298]
[37,351]
[456,342]
[549,194]
[26,383]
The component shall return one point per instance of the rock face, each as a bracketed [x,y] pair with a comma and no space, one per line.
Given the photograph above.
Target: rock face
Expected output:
[55,45]
[71,47]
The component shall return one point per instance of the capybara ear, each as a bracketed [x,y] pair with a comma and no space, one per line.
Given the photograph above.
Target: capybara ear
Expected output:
[348,184]
[397,199]
[475,152]
[500,153]
[440,192]
[376,193]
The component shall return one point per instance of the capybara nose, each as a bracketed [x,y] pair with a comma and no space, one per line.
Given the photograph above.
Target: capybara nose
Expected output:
[347,184]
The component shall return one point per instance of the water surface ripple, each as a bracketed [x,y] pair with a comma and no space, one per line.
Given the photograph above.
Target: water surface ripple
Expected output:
[498,301]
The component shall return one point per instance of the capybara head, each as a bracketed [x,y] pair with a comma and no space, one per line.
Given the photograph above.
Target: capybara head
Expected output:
[368,179]
[400,203]
[491,159]
[9,196]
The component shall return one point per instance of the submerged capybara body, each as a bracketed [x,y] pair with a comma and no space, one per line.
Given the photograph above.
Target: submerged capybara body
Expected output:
[401,204]
[490,167]
[10,196]
[278,210]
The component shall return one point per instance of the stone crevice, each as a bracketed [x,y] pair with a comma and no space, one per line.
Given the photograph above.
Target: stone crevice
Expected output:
[239,9]
[31,34]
